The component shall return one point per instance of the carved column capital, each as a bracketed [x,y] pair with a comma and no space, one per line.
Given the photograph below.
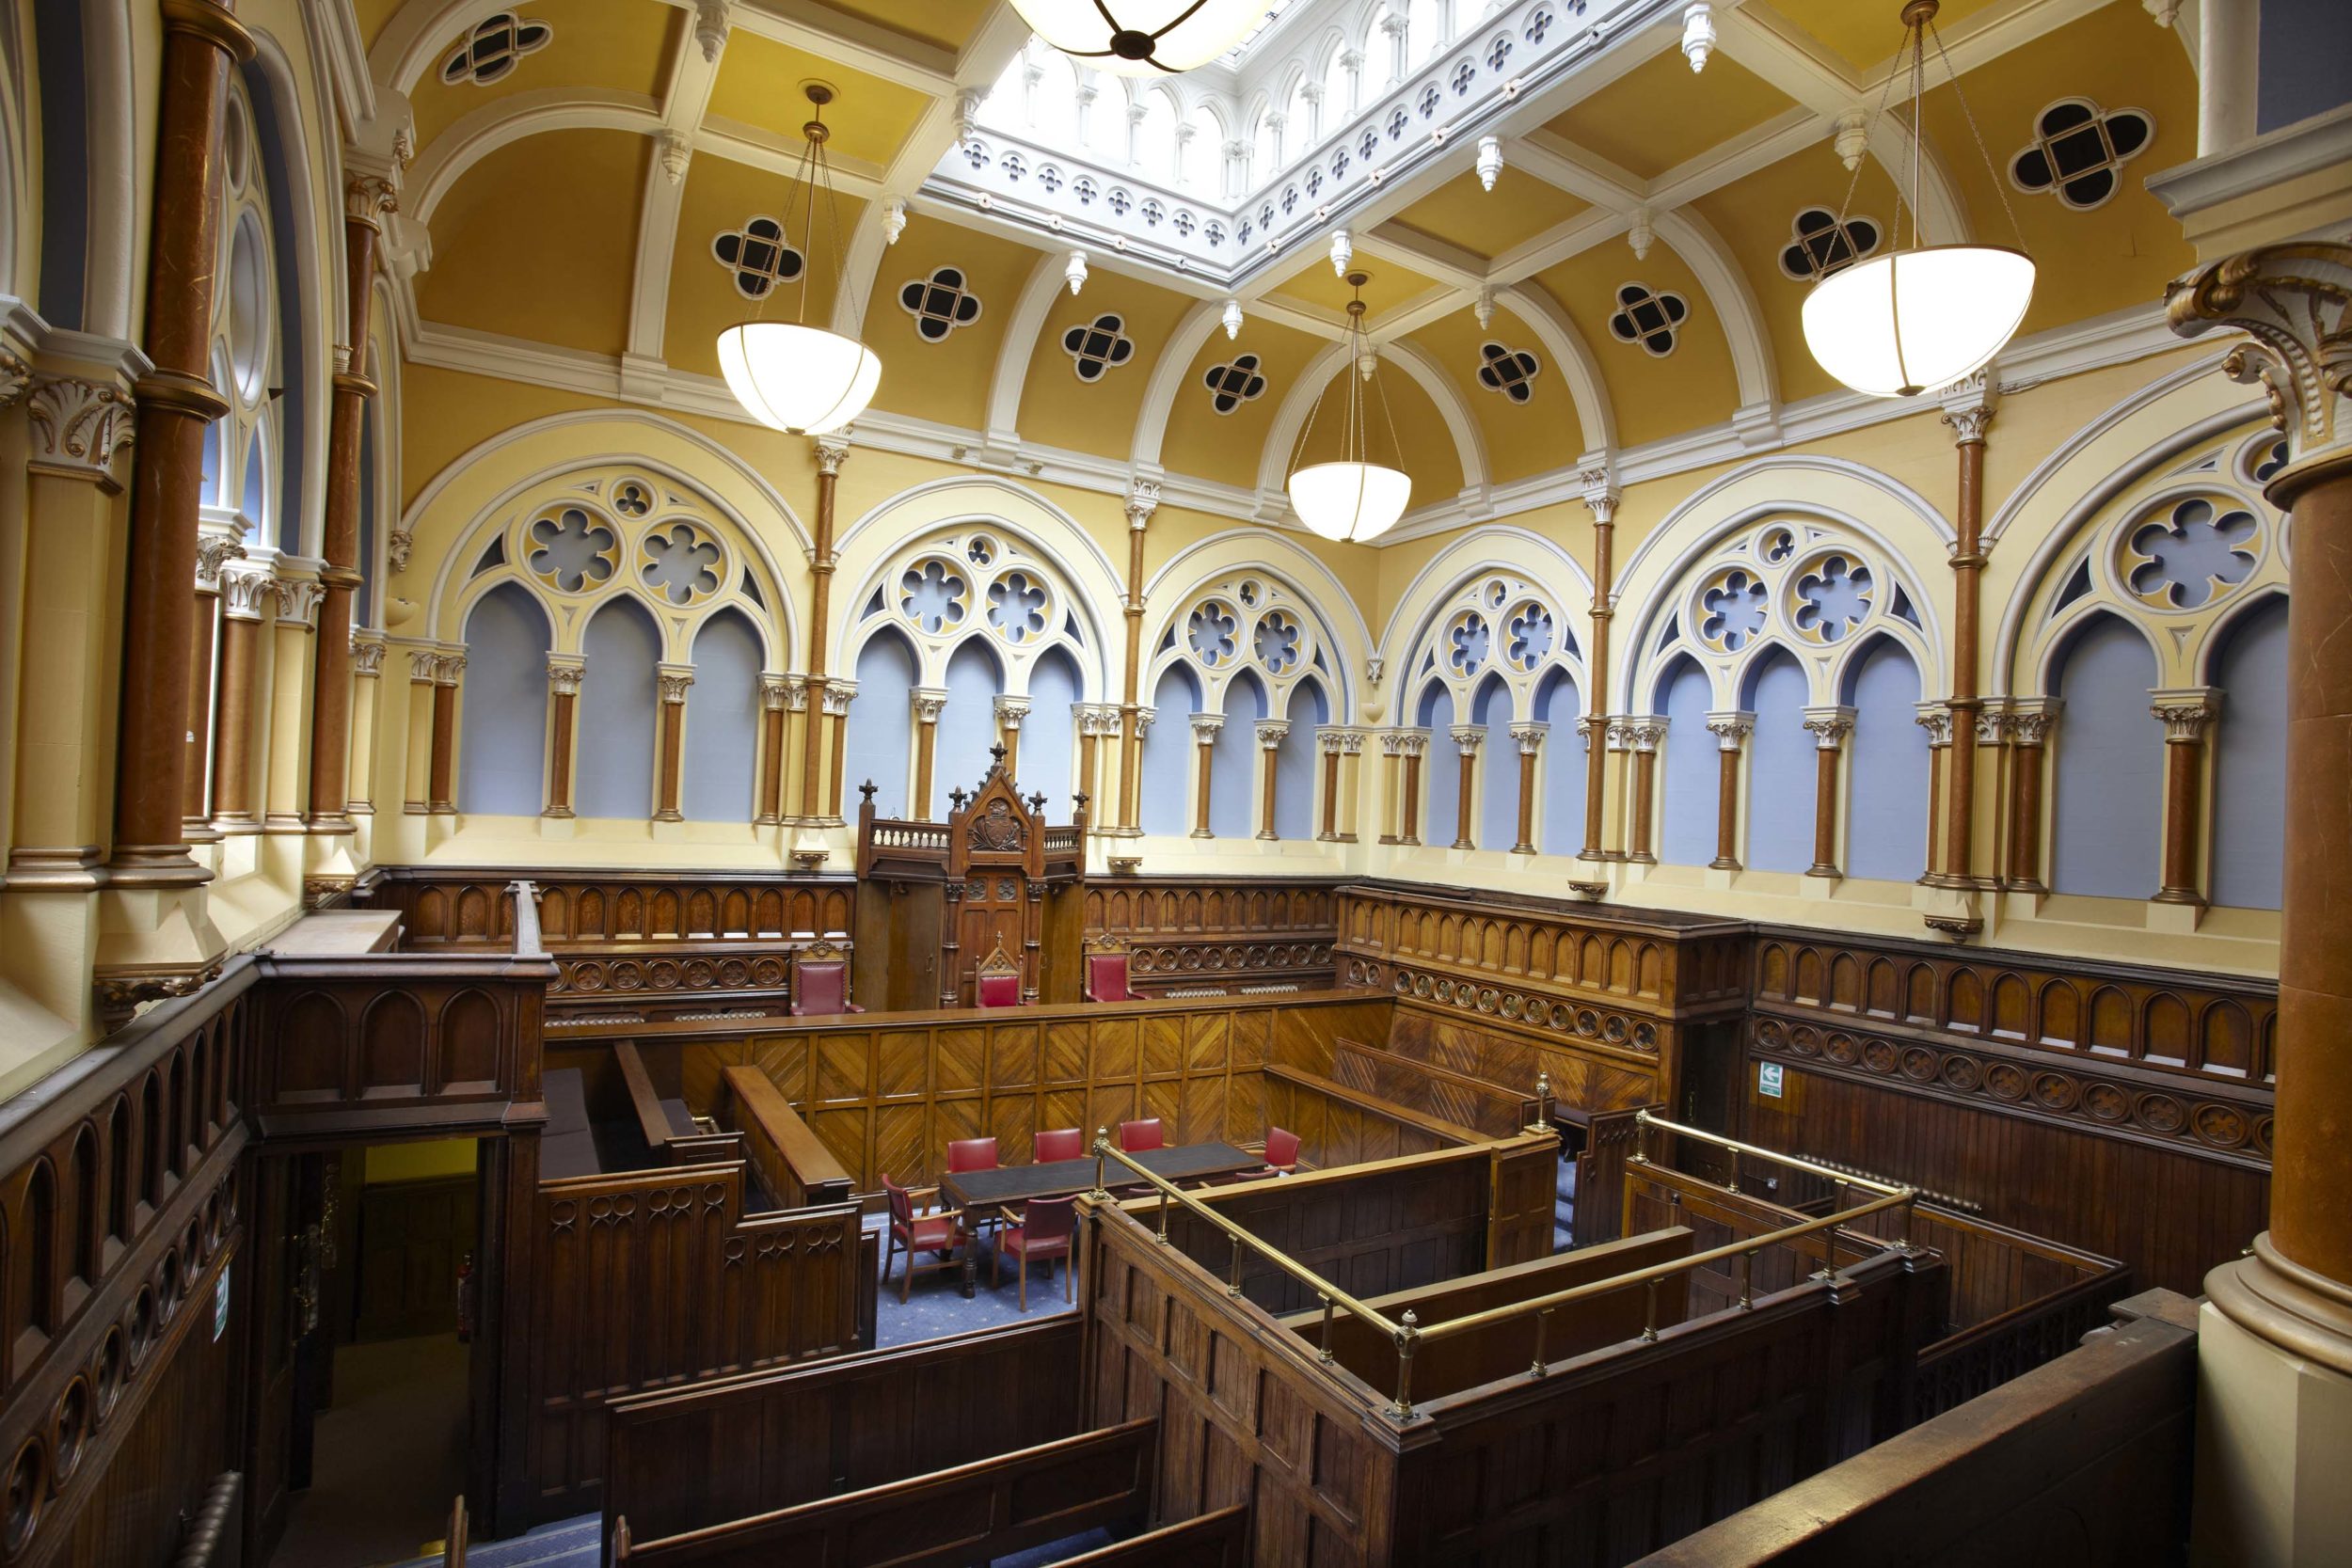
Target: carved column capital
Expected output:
[1143,720]
[1143,498]
[423,664]
[1010,711]
[78,426]
[1272,733]
[370,199]
[16,379]
[246,591]
[929,703]
[214,551]
[564,672]
[299,600]
[838,694]
[832,451]
[1730,729]
[1829,726]
[1466,737]
[2030,718]
[796,693]
[1937,720]
[1600,494]
[367,657]
[1645,731]
[2185,711]
[449,668]
[674,680]
[1968,407]
[772,693]
[1530,736]
[2291,301]
[1205,727]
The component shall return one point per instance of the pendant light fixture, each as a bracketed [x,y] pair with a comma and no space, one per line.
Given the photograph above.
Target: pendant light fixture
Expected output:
[1919,316]
[1351,499]
[788,375]
[1143,37]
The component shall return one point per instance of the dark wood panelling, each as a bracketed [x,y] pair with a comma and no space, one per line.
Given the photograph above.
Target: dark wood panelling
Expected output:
[1340,1126]
[412,1236]
[469,909]
[658,1277]
[886,1093]
[736,1447]
[2083,1463]
[1218,930]
[1432,1090]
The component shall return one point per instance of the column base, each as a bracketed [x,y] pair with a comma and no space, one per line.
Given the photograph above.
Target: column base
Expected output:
[284,822]
[78,866]
[153,865]
[1266,836]
[195,830]
[1823,868]
[1200,832]
[1386,838]
[333,824]
[2274,1416]
[1723,862]
[2178,895]
[2175,917]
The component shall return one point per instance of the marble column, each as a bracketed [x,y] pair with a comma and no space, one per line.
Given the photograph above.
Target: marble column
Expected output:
[366,199]
[929,703]
[565,674]
[1009,712]
[1204,732]
[1466,743]
[2274,1354]
[1601,498]
[176,401]
[1328,743]
[1530,738]
[839,694]
[1968,418]
[1731,731]
[213,552]
[1271,734]
[1643,732]
[2029,721]
[832,452]
[1414,744]
[768,808]
[1143,500]
[1829,727]
[2187,714]
[448,673]
[674,680]
[366,696]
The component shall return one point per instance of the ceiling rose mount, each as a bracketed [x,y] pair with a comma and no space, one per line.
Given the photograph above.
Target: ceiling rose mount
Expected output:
[1141,38]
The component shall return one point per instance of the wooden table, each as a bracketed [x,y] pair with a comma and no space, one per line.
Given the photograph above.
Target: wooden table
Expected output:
[979,1192]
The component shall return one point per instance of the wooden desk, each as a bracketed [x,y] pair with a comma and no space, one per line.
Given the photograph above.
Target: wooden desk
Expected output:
[977,1192]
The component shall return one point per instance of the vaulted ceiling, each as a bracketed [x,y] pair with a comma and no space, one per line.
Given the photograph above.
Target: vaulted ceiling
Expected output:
[581,165]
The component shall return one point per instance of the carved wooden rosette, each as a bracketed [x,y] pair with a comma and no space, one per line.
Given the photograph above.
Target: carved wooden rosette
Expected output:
[2294,302]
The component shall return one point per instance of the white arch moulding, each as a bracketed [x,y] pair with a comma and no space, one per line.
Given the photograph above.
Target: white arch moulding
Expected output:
[1573,358]
[1469,447]
[1279,558]
[1168,384]
[1003,426]
[1727,288]
[321,284]
[483,130]
[1445,572]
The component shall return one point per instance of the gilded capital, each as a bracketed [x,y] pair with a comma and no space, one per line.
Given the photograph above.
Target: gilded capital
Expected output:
[565,674]
[1730,729]
[1271,734]
[214,551]
[2291,301]
[832,451]
[245,590]
[78,426]
[16,379]
[368,198]
[367,657]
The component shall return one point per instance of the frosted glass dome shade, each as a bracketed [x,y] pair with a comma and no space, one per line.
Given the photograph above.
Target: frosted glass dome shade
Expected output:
[1898,325]
[1349,502]
[1141,38]
[801,380]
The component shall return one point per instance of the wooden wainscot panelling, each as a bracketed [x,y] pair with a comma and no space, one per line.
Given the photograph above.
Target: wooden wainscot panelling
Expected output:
[2126,1112]
[658,1277]
[469,908]
[736,1446]
[1228,931]
[120,1362]
[886,1093]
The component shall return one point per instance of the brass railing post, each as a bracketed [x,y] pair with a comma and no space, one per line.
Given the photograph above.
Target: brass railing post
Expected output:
[1747,1281]
[1640,1138]
[1323,1347]
[1402,1409]
[1735,1170]
[1650,1314]
[1101,1146]
[1232,1269]
[1542,1319]
[1163,1219]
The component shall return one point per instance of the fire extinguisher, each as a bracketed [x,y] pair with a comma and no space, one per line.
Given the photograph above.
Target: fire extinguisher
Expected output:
[465,1300]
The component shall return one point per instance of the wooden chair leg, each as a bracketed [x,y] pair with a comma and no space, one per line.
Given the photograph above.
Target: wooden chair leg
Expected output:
[1024,1282]
[1065,1278]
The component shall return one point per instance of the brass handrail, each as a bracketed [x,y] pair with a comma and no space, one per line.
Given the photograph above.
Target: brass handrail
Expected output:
[1642,1121]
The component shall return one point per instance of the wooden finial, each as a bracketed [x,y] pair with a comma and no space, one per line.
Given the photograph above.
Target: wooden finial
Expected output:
[867,791]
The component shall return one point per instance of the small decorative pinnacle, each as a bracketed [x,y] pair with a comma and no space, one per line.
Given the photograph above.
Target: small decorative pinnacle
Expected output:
[867,791]
[997,751]
[958,797]
[1037,803]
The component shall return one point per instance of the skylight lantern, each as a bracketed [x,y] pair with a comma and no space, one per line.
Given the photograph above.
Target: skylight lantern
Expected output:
[1141,38]
[1919,316]
[790,376]
[1351,499]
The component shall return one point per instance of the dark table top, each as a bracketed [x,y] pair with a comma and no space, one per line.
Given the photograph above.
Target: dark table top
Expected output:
[1062,1177]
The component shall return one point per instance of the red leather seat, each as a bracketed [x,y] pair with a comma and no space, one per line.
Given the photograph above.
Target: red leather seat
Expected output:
[971,1154]
[1062,1142]
[998,991]
[1107,978]
[916,1234]
[1281,1152]
[821,987]
[1134,1137]
[1043,1233]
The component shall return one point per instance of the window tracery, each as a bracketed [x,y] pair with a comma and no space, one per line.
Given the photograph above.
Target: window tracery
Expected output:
[940,303]
[2078,151]
[1509,371]
[494,47]
[1820,244]
[1650,319]
[243,450]
[757,256]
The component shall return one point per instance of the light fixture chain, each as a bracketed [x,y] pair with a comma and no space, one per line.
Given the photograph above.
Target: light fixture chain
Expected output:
[2000,187]
[1918,124]
[1845,208]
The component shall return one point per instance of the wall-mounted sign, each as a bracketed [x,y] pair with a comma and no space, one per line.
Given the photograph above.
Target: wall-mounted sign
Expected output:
[220,1305]
[1768,1079]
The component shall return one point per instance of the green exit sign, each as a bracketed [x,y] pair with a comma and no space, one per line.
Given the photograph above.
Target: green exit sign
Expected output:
[1770,1079]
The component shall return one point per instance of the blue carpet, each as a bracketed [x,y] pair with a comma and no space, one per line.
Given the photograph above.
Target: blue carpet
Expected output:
[935,1306]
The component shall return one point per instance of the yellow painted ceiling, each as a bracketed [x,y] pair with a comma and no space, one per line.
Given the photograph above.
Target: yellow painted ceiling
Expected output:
[370,16]
[760,86]
[946,381]
[949,23]
[1421,436]
[2120,253]
[721,196]
[1315,287]
[1653,397]
[538,240]
[1660,114]
[1521,438]
[1486,223]
[1756,219]
[1866,33]
[1097,417]
[619,45]
[1226,446]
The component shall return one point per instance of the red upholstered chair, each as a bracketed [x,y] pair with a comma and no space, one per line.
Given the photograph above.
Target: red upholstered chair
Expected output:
[1044,1234]
[916,1234]
[1062,1142]
[1106,971]
[971,1154]
[1134,1137]
[820,981]
[1281,1152]
[998,982]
